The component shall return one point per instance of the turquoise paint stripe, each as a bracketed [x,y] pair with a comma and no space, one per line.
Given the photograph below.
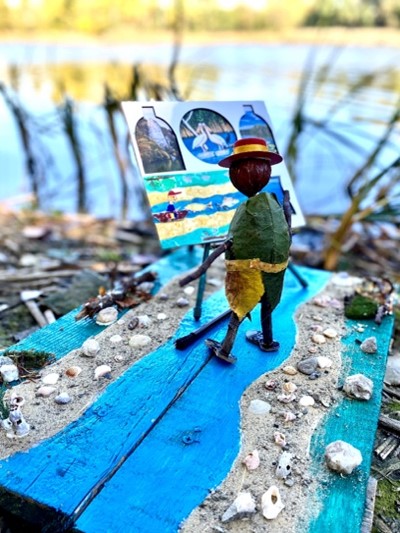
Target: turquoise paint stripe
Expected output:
[193,447]
[67,334]
[355,422]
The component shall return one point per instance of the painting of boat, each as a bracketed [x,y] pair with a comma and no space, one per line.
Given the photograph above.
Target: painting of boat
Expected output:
[168,216]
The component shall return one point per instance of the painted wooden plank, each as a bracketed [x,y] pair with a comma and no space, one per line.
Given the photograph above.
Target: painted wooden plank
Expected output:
[192,448]
[67,334]
[63,473]
[343,498]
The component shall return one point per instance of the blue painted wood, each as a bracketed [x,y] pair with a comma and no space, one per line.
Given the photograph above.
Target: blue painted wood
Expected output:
[192,448]
[67,334]
[354,422]
[61,474]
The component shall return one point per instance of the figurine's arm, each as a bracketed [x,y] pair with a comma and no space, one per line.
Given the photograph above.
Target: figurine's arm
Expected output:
[287,209]
[207,263]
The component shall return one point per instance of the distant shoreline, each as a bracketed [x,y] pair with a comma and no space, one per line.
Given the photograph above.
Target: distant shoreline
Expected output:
[363,37]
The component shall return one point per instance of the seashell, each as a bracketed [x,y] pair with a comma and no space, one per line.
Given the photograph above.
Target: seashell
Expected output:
[317,338]
[369,345]
[271,503]
[280,439]
[102,371]
[106,316]
[342,457]
[50,379]
[45,391]
[252,460]
[132,324]
[139,341]
[312,349]
[189,290]
[162,316]
[290,370]
[284,468]
[115,339]
[358,386]
[243,505]
[9,373]
[121,321]
[330,333]
[144,321]
[306,401]
[63,398]
[289,387]
[286,398]
[271,384]
[182,302]
[90,348]
[16,400]
[118,358]
[259,407]
[289,416]
[324,362]
[317,328]
[73,371]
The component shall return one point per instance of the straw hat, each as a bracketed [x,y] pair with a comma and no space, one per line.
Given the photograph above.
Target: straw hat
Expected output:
[250,147]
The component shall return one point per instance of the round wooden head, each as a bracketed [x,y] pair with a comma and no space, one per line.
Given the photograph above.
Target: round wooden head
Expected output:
[251,175]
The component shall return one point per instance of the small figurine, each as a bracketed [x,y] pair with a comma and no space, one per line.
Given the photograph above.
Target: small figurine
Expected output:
[257,249]
[15,421]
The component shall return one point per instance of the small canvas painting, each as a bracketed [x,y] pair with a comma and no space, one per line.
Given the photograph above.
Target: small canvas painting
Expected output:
[178,146]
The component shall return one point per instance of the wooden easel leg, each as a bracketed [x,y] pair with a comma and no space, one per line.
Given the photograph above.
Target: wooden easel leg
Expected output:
[201,287]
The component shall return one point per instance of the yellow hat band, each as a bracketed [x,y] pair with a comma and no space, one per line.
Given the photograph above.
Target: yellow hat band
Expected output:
[250,148]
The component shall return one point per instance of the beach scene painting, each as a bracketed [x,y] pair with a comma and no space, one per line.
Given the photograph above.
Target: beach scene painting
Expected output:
[177,148]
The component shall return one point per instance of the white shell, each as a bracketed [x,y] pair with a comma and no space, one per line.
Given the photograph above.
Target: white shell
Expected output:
[50,379]
[106,316]
[324,362]
[115,339]
[306,401]
[342,457]
[189,290]
[252,460]
[279,439]
[289,388]
[289,416]
[358,386]
[9,373]
[330,333]
[45,391]
[290,370]
[144,321]
[284,468]
[317,338]
[243,505]
[259,407]
[271,503]
[101,371]
[286,398]
[162,316]
[90,348]
[139,341]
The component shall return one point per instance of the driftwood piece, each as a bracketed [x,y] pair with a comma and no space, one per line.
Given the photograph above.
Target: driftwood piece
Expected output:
[389,424]
[128,296]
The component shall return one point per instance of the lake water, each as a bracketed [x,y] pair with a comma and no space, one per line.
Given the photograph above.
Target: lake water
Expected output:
[327,156]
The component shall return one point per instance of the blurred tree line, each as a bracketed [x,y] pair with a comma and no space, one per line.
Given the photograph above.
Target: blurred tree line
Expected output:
[98,17]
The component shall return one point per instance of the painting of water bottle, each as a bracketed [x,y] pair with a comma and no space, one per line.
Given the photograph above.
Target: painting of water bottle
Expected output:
[178,146]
